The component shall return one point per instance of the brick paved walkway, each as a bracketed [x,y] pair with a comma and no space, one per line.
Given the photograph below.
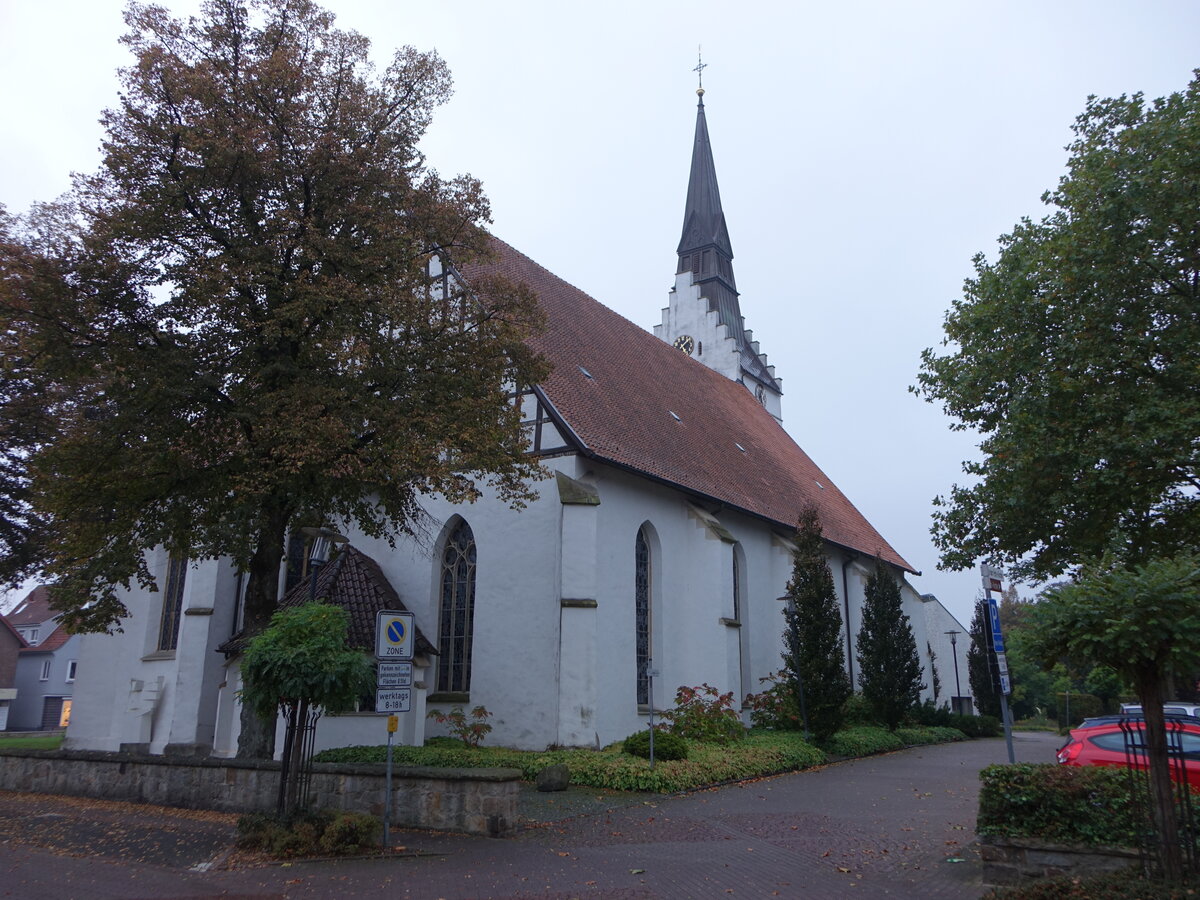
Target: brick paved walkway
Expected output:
[879,827]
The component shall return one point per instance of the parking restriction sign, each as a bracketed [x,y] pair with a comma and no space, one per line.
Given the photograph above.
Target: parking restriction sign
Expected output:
[394,635]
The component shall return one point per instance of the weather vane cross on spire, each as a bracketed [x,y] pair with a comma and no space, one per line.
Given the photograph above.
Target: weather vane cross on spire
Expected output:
[701,65]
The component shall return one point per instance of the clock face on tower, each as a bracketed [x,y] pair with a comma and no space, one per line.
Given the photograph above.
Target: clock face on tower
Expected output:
[686,343]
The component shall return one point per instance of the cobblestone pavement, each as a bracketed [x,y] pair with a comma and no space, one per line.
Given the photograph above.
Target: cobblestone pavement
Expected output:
[888,826]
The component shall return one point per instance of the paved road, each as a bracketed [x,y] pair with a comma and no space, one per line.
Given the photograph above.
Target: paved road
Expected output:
[887,826]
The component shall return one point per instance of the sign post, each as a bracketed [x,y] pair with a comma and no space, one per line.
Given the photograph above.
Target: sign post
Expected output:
[992,581]
[395,637]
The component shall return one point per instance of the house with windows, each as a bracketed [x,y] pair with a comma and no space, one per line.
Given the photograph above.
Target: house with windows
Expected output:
[656,554]
[10,645]
[46,666]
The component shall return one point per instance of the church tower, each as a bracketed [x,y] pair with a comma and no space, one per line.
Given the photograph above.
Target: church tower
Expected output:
[703,317]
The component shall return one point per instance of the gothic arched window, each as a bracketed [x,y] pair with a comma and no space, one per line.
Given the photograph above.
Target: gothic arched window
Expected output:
[641,603]
[457,611]
[737,589]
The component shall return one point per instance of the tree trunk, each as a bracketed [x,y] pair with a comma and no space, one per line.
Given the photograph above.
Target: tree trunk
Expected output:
[257,737]
[1150,688]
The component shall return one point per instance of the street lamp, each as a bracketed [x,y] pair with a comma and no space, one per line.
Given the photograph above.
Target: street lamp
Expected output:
[954,653]
[323,541]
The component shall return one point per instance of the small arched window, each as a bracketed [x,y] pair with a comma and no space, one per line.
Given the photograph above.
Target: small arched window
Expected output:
[457,613]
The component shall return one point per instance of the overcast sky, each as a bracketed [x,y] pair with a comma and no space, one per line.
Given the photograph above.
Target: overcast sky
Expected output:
[865,151]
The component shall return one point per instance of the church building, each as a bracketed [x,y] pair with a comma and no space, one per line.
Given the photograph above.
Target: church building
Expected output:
[656,555]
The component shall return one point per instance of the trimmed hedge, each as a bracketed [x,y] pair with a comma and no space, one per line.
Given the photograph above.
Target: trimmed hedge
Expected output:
[1113,886]
[863,740]
[1063,804]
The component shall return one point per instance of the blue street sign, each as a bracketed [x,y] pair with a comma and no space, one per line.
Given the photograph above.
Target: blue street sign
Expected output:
[994,616]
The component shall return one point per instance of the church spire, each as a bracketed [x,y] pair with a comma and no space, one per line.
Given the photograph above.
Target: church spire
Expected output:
[705,251]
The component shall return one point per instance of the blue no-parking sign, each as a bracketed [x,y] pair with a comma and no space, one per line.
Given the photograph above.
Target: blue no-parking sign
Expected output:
[395,634]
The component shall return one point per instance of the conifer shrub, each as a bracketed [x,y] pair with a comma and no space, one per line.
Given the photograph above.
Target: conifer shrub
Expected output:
[667,745]
[814,657]
[308,833]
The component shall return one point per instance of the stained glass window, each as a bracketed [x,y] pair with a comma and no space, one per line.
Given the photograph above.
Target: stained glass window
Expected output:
[172,608]
[457,610]
[641,590]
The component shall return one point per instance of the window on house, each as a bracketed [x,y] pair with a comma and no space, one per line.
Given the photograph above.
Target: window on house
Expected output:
[71,670]
[172,608]
[457,611]
[46,669]
[32,637]
[641,603]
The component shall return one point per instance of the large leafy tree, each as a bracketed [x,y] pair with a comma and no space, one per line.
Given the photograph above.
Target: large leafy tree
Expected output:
[1142,621]
[1076,355]
[236,324]
[888,664]
[814,663]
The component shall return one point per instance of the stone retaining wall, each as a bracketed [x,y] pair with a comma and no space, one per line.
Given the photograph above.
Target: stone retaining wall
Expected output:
[476,801]
[1013,860]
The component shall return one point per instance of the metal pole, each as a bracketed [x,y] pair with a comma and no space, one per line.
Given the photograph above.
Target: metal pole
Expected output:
[650,697]
[954,653]
[1007,727]
[387,797]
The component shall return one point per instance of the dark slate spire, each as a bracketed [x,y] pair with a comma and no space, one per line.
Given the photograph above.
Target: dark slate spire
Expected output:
[705,249]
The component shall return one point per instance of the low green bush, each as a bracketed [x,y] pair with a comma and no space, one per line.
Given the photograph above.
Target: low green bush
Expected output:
[863,740]
[1112,886]
[976,726]
[1064,804]
[928,735]
[667,745]
[313,833]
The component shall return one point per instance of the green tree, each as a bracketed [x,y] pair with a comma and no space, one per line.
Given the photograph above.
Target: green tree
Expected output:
[982,674]
[888,664]
[298,666]
[814,663]
[933,672]
[1143,621]
[238,323]
[1075,355]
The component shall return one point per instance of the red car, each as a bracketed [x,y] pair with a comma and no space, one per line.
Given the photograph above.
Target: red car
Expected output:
[1101,742]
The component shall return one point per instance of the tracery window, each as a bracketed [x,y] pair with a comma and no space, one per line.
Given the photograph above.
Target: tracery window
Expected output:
[457,610]
[737,590]
[172,608]
[641,589]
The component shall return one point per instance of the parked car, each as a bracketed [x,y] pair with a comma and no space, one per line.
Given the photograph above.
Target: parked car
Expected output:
[1174,707]
[1102,742]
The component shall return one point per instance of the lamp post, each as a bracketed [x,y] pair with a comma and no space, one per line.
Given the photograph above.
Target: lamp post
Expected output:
[954,653]
[323,541]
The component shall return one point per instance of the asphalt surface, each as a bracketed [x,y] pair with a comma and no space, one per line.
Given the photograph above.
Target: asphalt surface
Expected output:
[899,825]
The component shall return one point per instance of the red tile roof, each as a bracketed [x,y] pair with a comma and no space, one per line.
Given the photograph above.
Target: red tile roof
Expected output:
[353,581]
[623,414]
[57,638]
[34,609]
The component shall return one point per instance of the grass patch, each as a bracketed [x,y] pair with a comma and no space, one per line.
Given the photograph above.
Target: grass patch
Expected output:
[761,753]
[32,742]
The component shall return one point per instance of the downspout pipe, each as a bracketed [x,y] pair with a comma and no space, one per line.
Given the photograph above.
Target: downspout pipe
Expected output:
[850,557]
